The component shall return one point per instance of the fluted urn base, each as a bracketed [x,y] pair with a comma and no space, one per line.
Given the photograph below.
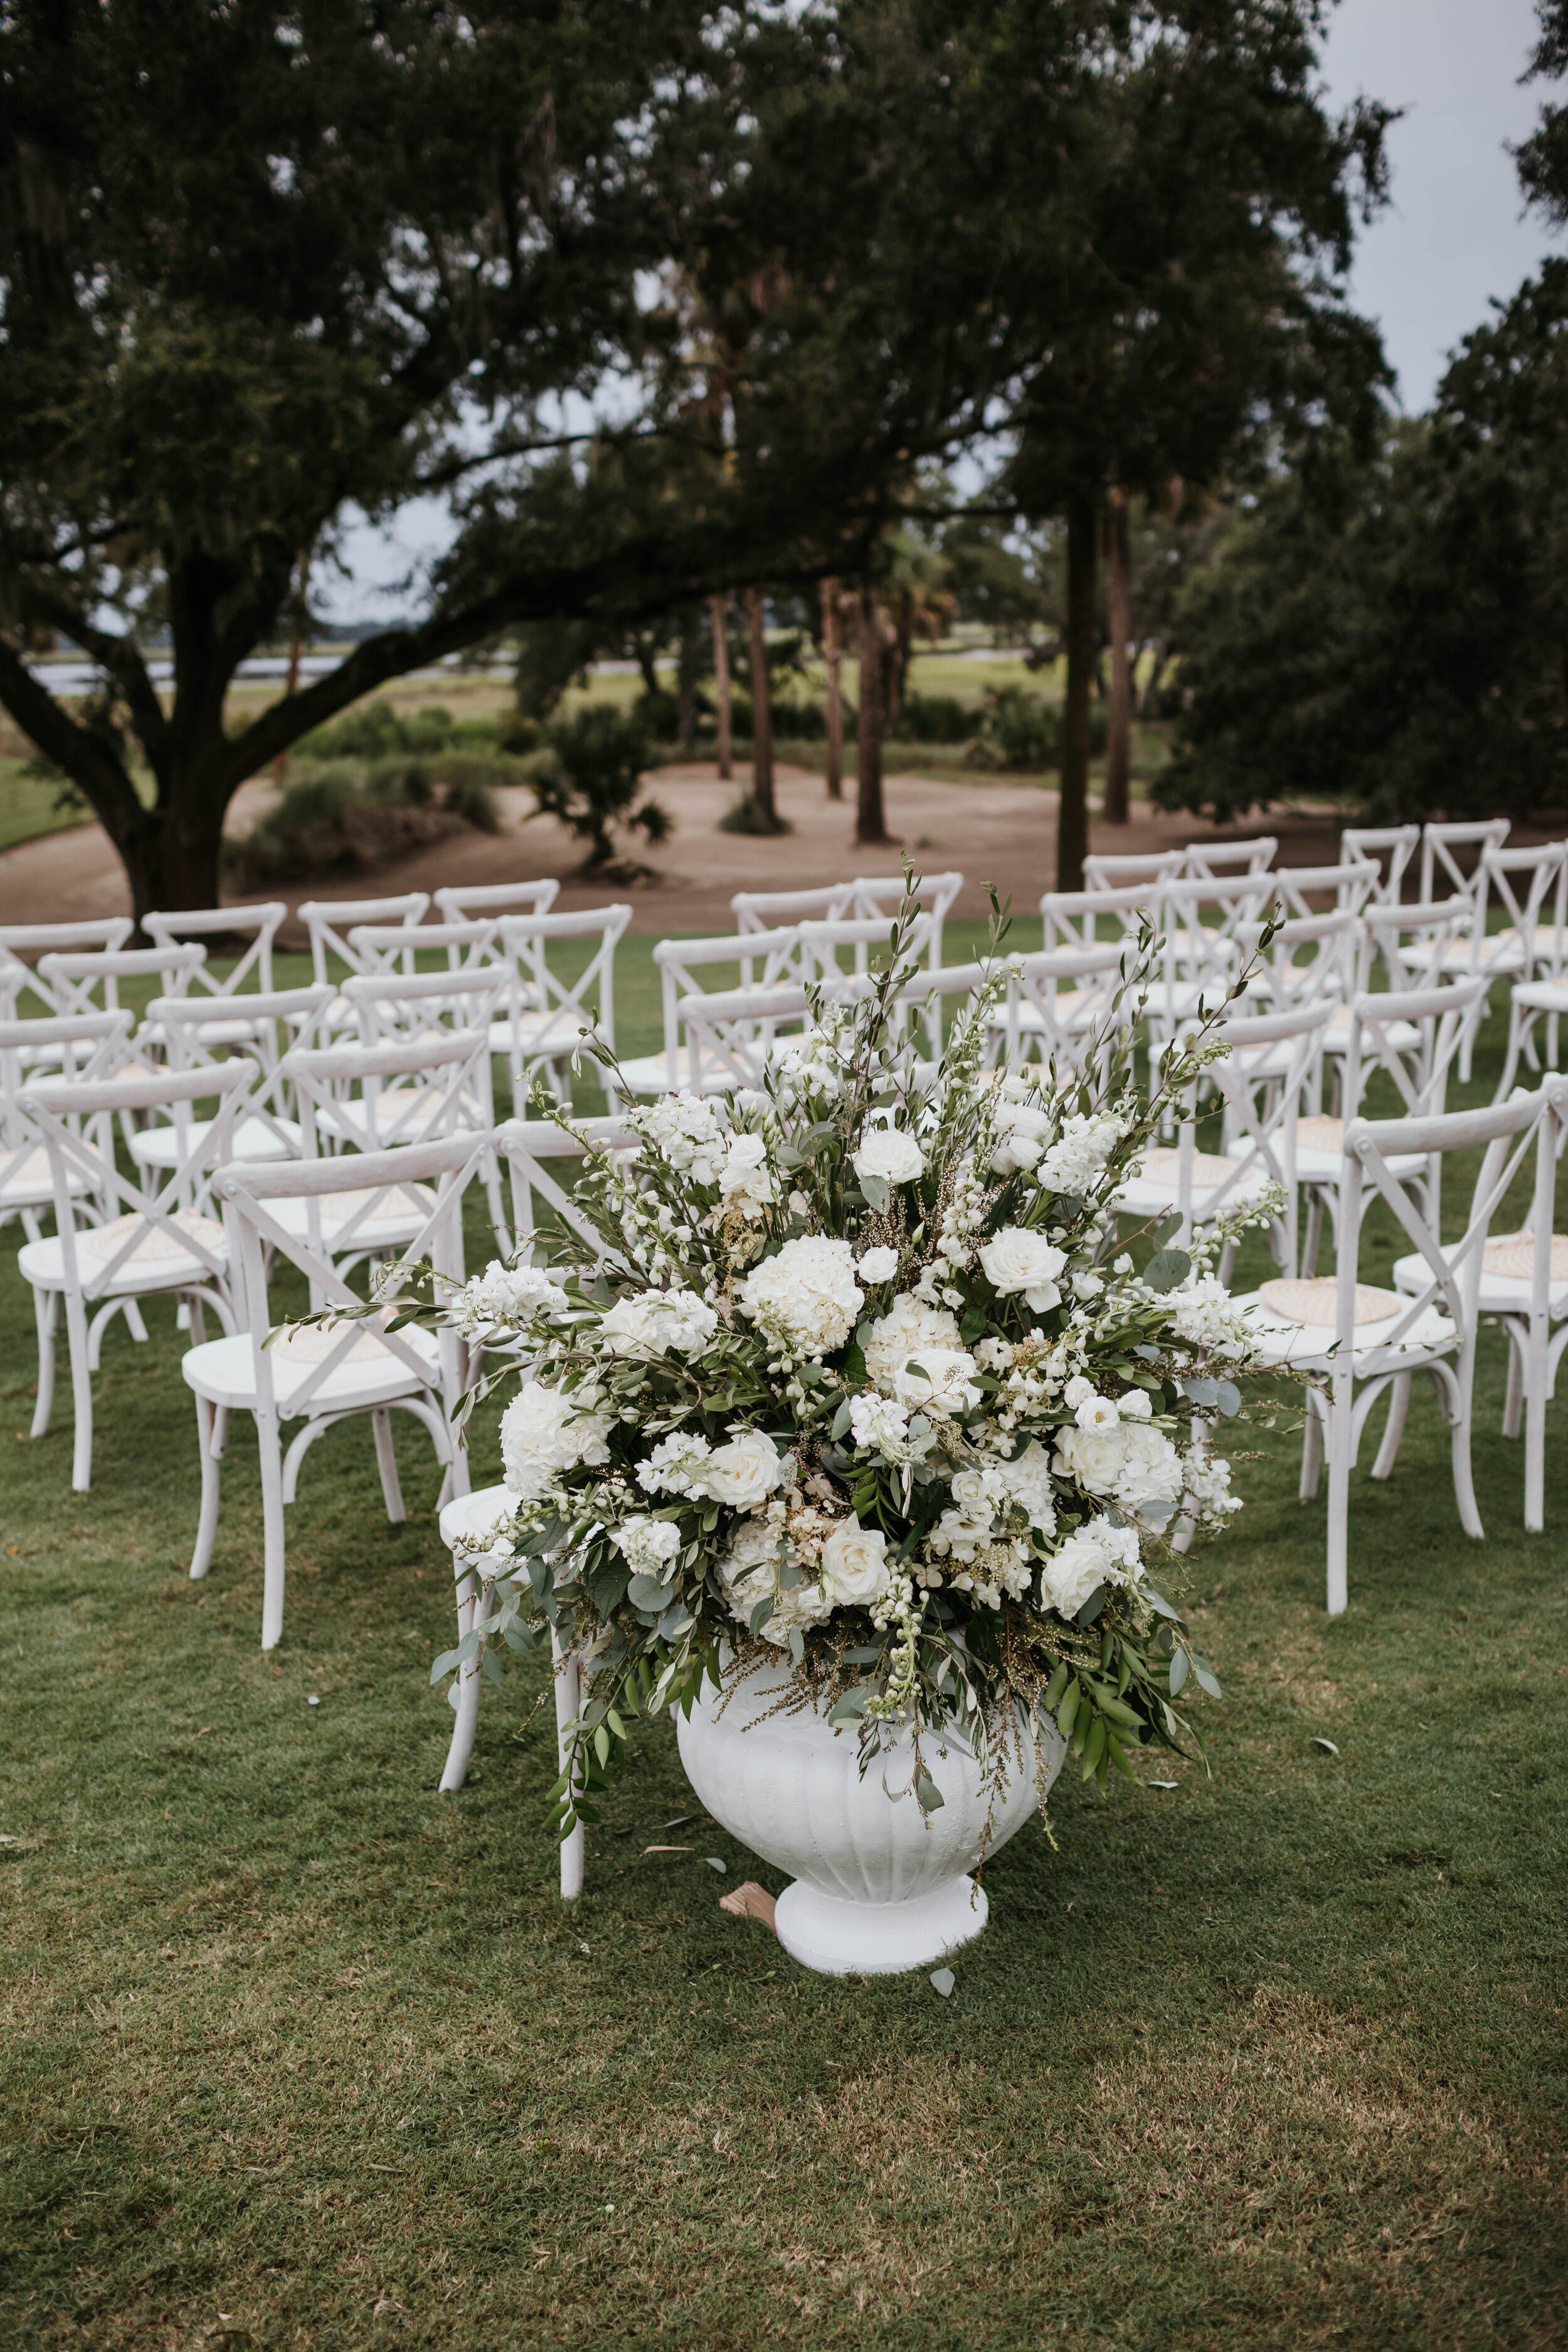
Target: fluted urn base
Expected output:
[881,1884]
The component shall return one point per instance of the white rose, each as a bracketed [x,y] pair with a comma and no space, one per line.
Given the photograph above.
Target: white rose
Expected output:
[1077,1388]
[805,1297]
[745,1176]
[544,1433]
[1017,1260]
[1130,1463]
[743,1473]
[938,1380]
[878,1265]
[908,1327]
[889,1152]
[853,1566]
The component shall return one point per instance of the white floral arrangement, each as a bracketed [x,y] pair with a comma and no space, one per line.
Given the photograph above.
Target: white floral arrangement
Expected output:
[861,1374]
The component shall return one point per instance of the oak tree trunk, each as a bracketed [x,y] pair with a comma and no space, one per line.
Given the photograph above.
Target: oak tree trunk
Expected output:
[833,655]
[763,801]
[1072,810]
[870,824]
[686,680]
[1119,597]
[719,607]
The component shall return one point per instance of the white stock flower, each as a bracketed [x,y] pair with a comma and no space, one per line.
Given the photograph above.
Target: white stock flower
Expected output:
[878,1265]
[745,1178]
[908,1326]
[853,1566]
[1027,1481]
[676,1465]
[938,1380]
[1021,1130]
[805,1295]
[506,1297]
[544,1433]
[649,1547]
[1096,1554]
[684,1130]
[1204,1317]
[1076,1161]
[743,1473]
[1128,1462]
[1208,1494]
[888,1152]
[659,1322]
[1020,1260]
[880,1424]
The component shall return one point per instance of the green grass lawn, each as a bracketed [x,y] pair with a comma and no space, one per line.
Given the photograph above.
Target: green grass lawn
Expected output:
[28,805]
[298,2053]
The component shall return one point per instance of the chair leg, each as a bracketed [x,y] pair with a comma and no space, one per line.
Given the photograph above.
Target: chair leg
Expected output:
[45,1312]
[1393,1428]
[1513,1404]
[269,1445]
[212,1473]
[473,1608]
[386,1463]
[1339,1451]
[1464,1485]
[133,1323]
[1313,1233]
[1535,1384]
[568,1705]
[81,1347]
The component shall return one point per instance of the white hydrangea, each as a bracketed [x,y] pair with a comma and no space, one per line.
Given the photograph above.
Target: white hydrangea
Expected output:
[657,1323]
[684,1129]
[505,1298]
[1027,1481]
[805,1298]
[1076,1161]
[938,1380]
[649,1547]
[880,1424]
[676,1465]
[545,1432]
[744,1178]
[908,1326]
[1100,1553]
[1126,1461]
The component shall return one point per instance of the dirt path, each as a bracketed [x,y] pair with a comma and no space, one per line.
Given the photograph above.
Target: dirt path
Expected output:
[991,832]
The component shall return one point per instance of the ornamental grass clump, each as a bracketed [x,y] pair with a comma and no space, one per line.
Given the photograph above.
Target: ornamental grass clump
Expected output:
[859,1378]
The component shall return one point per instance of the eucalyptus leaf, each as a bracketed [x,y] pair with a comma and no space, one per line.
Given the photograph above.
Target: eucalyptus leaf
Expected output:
[1200,1392]
[1206,1679]
[1158,1603]
[850,1707]
[1091,1606]
[841,1419]
[1229,1398]
[1166,1268]
[650,1592]
[1178,1673]
[942,1981]
[926,1794]
[877,1192]
[761,1613]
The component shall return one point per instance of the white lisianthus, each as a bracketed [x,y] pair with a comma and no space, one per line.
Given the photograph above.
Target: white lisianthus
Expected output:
[505,1298]
[908,1327]
[805,1297]
[1077,1388]
[878,1265]
[854,1566]
[939,1381]
[1088,1285]
[745,1178]
[1021,1260]
[657,1323]
[880,1424]
[744,1473]
[649,1547]
[676,1465]
[1100,1553]
[1021,1130]
[545,1432]
[1097,1412]
[1129,1462]
[888,1152]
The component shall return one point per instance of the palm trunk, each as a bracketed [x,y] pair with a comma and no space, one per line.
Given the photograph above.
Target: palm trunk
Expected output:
[833,655]
[870,824]
[719,607]
[1072,810]
[1119,597]
[763,801]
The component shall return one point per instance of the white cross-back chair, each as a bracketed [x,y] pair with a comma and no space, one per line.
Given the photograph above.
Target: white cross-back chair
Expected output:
[1090,919]
[1441,874]
[528,1147]
[394,948]
[320,1376]
[1207,860]
[552,1013]
[1295,888]
[281,1021]
[1364,1340]
[160,1242]
[328,922]
[1140,870]
[24,989]
[90,983]
[725,1039]
[372,1098]
[1271,1066]
[846,947]
[485,901]
[878,897]
[1057,1005]
[1524,1287]
[1309,959]
[757,962]
[91,1045]
[427,1008]
[230,1020]
[1388,849]
[926,1007]
[770,911]
[1541,994]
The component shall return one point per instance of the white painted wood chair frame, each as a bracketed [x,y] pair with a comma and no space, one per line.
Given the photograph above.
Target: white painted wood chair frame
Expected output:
[768,910]
[74,978]
[1372,844]
[252,971]
[1328,974]
[1138,871]
[283,1022]
[765,962]
[878,897]
[725,1041]
[258,1240]
[1295,886]
[75,1122]
[328,922]
[1438,864]
[1542,993]
[1072,918]
[1063,1003]
[89,1046]
[20,977]
[1208,861]
[392,1008]
[483,901]
[550,1019]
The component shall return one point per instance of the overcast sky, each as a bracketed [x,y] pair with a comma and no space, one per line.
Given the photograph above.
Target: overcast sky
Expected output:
[1454,237]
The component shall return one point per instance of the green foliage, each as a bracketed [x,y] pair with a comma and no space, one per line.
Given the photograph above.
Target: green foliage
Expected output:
[374,731]
[350,816]
[934,718]
[744,816]
[593,782]
[1018,730]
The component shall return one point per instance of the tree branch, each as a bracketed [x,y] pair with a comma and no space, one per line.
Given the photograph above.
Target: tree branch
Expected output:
[118,656]
[87,759]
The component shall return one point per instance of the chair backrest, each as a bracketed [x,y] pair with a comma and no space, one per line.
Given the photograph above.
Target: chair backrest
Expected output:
[761,961]
[87,1047]
[528,1147]
[21,944]
[1203,918]
[258,1240]
[90,983]
[1132,871]
[1440,866]
[74,1119]
[397,947]
[726,1038]
[1388,849]
[881,894]
[1310,958]
[1064,999]
[287,1021]
[1074,919]
[1523,880]
[252,968]
[768,910]
[349,1094]
[920,1010]
[392,1005]
[1273,1059]
[1445,1018]
[858,938]
[1204,860]
[1350,887]
[329,922]
[1411,942]
[476,901]
[549,1010]
[1504,1133]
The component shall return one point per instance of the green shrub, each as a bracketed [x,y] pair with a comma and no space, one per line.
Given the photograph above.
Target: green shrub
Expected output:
[1020,730]
[591,782]
[657,716]
[744,816]
[349,816]
[935,719]
[800,722]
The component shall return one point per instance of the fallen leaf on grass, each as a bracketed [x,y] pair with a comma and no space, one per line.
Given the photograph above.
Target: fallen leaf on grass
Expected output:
[942,1981]
[1325,1746]
[749,1901]
[670,1848]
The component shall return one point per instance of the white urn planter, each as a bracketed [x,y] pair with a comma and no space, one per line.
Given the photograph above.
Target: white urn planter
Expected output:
[879,1885]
